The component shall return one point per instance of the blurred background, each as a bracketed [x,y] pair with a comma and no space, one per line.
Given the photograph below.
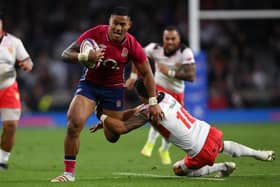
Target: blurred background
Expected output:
[242,56]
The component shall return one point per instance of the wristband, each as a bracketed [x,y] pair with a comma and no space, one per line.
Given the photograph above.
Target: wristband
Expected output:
[153,101]
[103,117]
[171,73]
[82,57]
[133,76]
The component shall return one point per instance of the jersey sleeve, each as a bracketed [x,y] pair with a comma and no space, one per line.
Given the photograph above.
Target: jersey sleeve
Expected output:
[149,49]
[188,56]
[91,33]
[138,55]
[21,53]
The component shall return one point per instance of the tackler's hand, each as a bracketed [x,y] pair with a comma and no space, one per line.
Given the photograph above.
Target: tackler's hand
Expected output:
[96,127]
[155,114]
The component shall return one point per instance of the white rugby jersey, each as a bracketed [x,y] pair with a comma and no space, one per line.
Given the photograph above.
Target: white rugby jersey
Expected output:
[183,55]
[11,50]
[181,128]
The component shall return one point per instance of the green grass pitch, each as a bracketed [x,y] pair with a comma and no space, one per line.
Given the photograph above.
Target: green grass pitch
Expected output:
[38,157]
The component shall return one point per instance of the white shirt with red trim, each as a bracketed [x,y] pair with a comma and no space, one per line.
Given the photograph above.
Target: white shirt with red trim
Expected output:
[181,128]
[11,51]
[181,56]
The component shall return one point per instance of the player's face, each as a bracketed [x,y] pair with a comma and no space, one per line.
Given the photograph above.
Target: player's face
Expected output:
[171,40]
[118,26]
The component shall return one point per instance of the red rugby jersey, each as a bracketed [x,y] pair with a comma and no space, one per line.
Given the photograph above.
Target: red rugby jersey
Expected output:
[110,73]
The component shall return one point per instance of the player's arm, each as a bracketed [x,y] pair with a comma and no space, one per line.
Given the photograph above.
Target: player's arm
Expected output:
[145,70]
[119,127]
[26,64]
[185,72]
[73,55]
[70,54]
[22,57]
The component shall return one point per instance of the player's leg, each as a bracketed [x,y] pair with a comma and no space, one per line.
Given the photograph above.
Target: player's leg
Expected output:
[150,143]
[10,114]
[7,142]
[203,163]
[112,105]
[223,169]
[164,152]
[79,110]
[109,134]
[238,150]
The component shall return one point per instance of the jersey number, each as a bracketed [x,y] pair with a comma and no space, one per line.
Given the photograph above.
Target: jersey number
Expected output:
[185,117]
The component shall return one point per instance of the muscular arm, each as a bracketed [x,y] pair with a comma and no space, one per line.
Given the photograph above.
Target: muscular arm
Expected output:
[70,54]
[122,127]
[145,70]
[185,72]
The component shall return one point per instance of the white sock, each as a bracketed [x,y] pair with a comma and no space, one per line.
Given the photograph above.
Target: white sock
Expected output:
[69,174]
[206,170]
[237,150]
[165,145]
[4,156]
[153,135]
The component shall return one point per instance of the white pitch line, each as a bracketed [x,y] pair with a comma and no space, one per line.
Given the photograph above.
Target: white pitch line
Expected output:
[259,175]
[163,176]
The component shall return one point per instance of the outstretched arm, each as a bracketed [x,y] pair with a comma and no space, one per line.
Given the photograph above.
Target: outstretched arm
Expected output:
[122,127]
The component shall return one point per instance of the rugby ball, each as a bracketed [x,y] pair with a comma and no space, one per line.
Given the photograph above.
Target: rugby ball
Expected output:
[85,47]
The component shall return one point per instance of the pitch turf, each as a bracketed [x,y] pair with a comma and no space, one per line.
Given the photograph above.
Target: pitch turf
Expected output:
[38,157]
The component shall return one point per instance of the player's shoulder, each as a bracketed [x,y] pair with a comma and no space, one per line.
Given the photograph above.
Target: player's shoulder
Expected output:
[186,51]
[12,38]
[183,47]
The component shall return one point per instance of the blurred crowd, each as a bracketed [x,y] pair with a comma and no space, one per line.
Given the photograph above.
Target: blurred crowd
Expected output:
[243,55]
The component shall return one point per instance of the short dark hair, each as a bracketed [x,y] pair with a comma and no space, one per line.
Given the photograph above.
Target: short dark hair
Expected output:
[141,89]
[171,28]
[120,11]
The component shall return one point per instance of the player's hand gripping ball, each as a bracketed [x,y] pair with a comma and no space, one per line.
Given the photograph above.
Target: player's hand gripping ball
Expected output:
[85,47]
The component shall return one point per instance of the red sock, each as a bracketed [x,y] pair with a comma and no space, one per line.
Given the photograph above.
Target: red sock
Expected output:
[69,165]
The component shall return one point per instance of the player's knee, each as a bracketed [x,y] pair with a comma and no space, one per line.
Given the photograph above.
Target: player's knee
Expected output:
[9,127]
[177,169]
[74,128]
